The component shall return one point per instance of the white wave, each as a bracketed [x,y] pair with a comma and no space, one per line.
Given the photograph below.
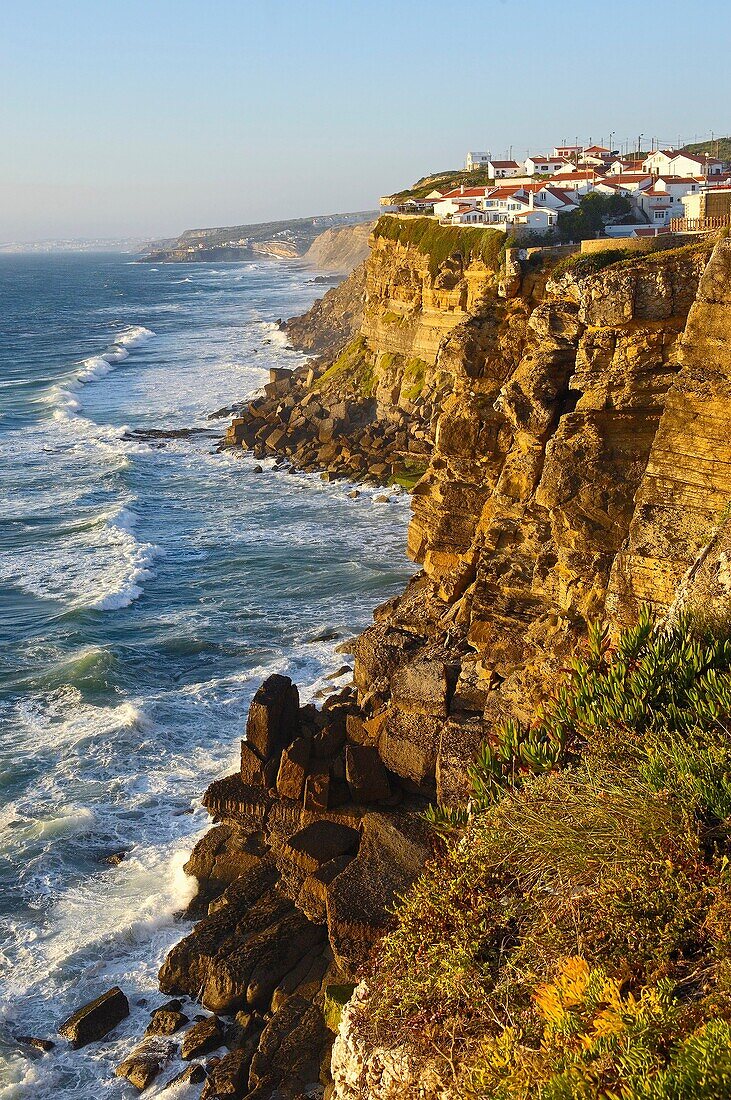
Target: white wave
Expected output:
[102,566]
[96,367]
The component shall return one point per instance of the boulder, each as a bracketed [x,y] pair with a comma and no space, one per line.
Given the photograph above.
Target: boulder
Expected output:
[458,745]
[166,1021]
[33,1041]
[320,842]
[421,687]
[293,769]
[202,1037]
[273,720]
[408,744]
[94,1020]
[229,1078]
[393,850]
[193,1075]
[317,790]
[291,1047]
[146,1061]
[365,774]
[252,772]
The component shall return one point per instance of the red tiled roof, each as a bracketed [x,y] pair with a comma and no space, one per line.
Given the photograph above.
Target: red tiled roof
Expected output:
[504,164]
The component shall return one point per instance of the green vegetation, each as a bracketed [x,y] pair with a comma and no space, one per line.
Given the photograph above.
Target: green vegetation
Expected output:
[572,937]
[414,373]
[444,181]
[439,242]
[352,370]
[593,213]
[410,475]
[719,147]
[582,264]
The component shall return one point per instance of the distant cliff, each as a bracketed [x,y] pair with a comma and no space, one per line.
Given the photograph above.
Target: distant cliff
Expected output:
[285,239]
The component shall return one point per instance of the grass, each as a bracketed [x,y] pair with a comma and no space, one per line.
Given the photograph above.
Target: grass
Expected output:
[409,477]
[439,242]
[444,181]
[352,370]
[572,936]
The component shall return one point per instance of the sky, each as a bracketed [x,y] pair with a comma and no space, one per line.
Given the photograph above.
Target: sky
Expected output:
[141,118]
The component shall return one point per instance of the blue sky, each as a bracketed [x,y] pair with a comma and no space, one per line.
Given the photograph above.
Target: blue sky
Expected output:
[146,117]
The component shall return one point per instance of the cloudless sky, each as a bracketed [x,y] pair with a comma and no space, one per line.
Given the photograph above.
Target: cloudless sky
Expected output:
[147,117]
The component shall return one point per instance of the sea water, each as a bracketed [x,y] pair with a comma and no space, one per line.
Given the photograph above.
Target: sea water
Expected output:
[146,589]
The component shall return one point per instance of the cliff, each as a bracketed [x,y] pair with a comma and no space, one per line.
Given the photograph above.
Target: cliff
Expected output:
[562,424]
[340,249]
[284,239]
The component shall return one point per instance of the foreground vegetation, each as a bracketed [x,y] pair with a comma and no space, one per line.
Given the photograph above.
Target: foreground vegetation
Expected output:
[572,938]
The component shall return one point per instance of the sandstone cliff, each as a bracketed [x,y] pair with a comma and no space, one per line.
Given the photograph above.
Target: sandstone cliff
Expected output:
[340,249]
[565,430]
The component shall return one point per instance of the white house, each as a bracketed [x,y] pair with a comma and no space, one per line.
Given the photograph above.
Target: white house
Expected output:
[567,152]
[675,162]
[459,199]
[537,218]
[539,165]
[473,161]
[690,164]
[656,204]
[503,169]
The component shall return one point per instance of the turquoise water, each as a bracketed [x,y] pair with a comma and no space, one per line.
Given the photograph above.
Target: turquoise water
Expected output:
[145,591]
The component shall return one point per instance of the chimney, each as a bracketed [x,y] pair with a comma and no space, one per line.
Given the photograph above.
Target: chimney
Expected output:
[461,189]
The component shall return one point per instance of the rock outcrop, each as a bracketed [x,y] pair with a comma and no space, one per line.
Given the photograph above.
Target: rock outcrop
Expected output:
[565,433]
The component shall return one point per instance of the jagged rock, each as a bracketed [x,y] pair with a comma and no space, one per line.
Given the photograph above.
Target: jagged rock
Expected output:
[202,1037]
[366,774]
[38,1044]
[166,1022]
[193,1075]
[317,790]
[252,766]
[273,720]
[290,1047]
[392,851]
[146,1061]
[96,1019]
[229,1078]
[293,769]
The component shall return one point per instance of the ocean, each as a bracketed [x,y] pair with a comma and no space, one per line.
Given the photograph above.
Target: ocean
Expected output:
[146,589]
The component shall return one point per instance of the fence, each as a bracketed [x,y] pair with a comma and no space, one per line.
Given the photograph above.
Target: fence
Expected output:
[699,225]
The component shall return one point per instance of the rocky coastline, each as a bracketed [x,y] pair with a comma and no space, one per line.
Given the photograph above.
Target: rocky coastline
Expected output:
[554,423]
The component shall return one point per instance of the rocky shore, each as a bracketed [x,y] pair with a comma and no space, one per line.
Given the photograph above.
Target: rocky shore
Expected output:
[564,431]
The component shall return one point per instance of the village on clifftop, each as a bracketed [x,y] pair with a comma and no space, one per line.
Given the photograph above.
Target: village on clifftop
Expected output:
[661,191]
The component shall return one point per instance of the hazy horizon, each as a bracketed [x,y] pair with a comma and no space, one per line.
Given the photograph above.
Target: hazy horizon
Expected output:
[148,120]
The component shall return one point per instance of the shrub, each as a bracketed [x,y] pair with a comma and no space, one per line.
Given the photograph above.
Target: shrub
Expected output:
[598,835]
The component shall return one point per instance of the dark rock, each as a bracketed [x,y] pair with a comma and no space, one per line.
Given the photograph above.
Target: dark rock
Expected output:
[165,1022]
[273,720]
[291,1046]
[392,852]
[228,1079]
[201,1038]
[193,1075]
[320,842]
[146,1061]
[38,1044]
[366,774]
[94,1020]
[252,766]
